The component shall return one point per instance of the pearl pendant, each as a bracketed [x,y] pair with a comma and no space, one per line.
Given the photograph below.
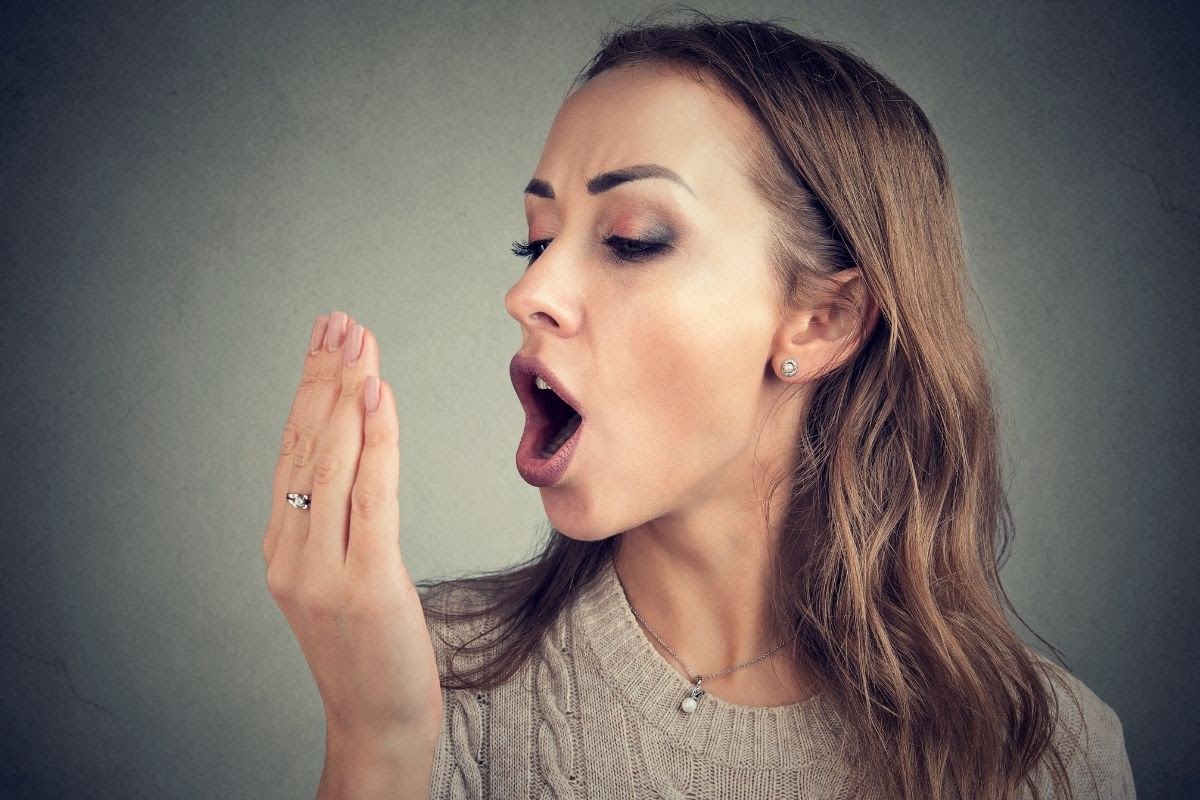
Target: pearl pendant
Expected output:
[690,702]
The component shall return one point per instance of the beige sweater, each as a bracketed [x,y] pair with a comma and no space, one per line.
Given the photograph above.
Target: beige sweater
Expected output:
[596,715]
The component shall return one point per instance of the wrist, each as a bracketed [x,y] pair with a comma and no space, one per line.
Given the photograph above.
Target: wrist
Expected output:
[379,746]
[380,734]
[380,765]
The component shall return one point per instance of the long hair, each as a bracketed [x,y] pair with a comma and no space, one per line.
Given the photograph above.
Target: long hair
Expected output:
[887,568]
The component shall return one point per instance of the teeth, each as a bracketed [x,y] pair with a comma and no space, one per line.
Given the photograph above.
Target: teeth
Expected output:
[541,383]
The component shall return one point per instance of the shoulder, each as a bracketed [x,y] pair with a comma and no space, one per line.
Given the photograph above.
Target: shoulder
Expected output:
[1089,736]
[452,596]
[456,614]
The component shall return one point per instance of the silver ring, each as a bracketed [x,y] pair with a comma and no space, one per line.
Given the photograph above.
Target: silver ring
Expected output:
[298,499]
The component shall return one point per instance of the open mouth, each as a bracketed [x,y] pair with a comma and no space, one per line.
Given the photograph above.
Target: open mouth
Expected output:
[558,420]
[554,422]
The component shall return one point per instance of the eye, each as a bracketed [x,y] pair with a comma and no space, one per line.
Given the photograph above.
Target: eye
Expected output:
[530,250]
[623,249]
[633,249]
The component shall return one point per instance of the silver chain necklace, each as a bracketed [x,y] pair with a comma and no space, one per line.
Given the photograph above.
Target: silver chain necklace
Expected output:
[694,695]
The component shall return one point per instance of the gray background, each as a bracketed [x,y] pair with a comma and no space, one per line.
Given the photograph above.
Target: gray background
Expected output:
[184,188]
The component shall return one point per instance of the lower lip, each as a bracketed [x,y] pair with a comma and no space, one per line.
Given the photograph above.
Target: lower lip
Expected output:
[542,472]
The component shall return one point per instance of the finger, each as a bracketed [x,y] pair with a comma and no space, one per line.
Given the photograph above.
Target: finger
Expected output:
[375,499]
[324,388]
[291,436]
[341,447]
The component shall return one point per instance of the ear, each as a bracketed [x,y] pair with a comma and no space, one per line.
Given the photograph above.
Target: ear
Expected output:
[828,329]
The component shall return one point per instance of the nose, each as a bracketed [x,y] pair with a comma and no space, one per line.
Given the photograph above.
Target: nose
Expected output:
[542,299]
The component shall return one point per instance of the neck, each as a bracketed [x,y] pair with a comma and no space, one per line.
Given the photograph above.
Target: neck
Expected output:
[700,575]
[703,586]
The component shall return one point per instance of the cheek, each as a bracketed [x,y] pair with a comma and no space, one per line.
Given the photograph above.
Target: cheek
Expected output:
[687,346]
[685,393]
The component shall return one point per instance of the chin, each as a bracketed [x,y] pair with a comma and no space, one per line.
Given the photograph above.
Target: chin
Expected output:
[571,518]
[582,533]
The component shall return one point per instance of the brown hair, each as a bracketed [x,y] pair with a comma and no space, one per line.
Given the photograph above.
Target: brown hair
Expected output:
[897,520]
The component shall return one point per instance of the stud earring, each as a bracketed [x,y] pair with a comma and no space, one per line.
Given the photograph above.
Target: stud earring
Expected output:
[789,367]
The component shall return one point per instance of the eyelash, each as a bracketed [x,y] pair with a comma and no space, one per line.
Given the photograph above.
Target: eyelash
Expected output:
[624,249]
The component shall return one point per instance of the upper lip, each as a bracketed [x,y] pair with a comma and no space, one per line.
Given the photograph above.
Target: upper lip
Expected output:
[522,370]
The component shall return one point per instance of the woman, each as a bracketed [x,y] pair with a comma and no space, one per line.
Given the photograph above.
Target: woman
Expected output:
[765,438]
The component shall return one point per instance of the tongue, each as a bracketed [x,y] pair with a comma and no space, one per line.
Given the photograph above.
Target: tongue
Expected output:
[563,434]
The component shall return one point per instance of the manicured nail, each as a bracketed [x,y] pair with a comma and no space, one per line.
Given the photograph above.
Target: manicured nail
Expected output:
[371,394]
[337,330]
[318,334]
[354,342]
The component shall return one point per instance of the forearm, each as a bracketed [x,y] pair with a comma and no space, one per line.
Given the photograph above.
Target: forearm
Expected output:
[379,768]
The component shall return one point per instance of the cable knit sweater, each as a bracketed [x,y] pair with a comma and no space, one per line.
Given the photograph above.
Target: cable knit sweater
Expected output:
[595,714]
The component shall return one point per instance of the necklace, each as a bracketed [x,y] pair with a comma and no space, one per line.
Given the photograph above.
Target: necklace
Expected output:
[694,695]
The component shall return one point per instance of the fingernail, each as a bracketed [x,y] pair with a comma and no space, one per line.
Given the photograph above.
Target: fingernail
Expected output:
[371,394]
[354,342]
[318,334]
[337,329]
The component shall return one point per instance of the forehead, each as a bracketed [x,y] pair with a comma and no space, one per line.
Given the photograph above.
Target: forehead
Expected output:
[648,113]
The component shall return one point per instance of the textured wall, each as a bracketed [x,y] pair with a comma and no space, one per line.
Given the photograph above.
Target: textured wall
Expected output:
[182,189]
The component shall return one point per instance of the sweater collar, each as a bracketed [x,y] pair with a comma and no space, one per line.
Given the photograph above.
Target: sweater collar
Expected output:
[790,736]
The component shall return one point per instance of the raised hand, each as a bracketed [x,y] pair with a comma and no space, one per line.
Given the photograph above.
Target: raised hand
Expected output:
[335,568]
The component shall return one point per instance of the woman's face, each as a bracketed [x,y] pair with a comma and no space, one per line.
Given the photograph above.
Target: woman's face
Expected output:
[668,354]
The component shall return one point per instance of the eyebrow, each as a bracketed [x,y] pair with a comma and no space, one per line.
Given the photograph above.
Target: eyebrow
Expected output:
[607,180]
